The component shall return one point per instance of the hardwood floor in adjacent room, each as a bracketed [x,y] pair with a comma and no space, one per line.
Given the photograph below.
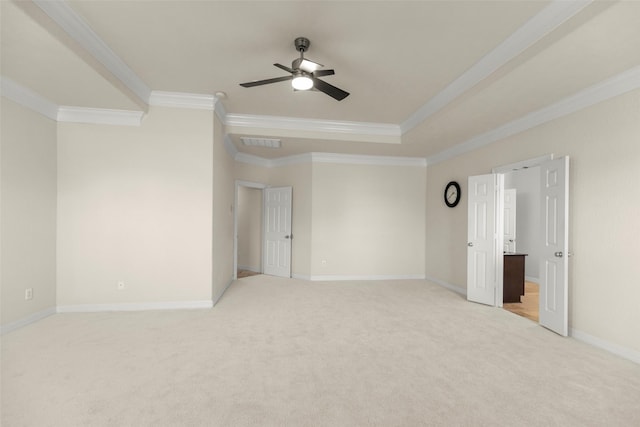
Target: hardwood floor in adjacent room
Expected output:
[529,305]
[246,273]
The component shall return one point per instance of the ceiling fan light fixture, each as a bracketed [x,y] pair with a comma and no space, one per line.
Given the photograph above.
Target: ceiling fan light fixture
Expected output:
[302,82]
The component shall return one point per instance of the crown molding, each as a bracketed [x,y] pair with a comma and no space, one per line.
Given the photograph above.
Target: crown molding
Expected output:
[99,116]
[28,99]
[77,28]
[292,160]
[334,158]
[253,160]
[312,125]
[220,111]
[356,159]
[552,16]
[195,101]
[612,87]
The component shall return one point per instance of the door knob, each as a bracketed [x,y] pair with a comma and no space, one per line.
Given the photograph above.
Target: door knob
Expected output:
[287,236]
[558,254]
[470,244]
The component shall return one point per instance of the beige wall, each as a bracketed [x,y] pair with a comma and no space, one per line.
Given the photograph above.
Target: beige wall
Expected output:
[603,142]
[252,173]
[28,212]
[367,220]
[134,205]
[223,213]
[249,228]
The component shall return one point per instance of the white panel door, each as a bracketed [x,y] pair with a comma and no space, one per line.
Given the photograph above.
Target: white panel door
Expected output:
[510,220]
[554,266]
[484,250]
[277,231]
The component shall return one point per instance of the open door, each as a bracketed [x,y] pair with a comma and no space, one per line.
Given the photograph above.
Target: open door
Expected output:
[554,265]
[277,231]
[484,243]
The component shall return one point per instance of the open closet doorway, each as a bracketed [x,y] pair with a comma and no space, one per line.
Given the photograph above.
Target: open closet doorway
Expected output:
[522,237]
[248,229]
[490,267]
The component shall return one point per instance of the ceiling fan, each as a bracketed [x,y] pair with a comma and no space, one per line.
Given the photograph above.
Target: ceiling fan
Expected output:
[304,74]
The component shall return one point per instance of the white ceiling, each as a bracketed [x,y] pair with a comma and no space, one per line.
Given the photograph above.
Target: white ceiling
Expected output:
[424,76]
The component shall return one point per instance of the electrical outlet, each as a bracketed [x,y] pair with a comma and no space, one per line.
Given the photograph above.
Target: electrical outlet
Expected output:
[28,293]
[120,285]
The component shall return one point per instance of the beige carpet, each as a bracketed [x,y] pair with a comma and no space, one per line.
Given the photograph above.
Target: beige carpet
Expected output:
[277,352]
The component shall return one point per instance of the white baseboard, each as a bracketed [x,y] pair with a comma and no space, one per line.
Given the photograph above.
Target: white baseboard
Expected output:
[333,278]
[447,285]
[616,349]
[95,308]
[12,326]
[136,306]
[216,298]
[532,279]
[249,268]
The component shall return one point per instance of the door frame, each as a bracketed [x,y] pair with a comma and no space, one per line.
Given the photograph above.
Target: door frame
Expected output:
[540,161]
[248,184]
[502,170]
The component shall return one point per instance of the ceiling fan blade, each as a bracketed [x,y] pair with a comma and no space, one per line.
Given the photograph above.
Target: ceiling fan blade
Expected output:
[287,69]
[266,82]
[321,73]
[332,91]
[306,65]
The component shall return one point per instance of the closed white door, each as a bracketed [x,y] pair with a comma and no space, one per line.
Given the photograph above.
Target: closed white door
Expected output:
[554,266]
[510,220]
[277,231]
[484,250]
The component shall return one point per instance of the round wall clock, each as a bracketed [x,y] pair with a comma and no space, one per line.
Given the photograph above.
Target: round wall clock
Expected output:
[452,194]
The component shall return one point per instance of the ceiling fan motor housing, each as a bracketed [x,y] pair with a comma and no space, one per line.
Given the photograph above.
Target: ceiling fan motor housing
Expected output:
[302,44]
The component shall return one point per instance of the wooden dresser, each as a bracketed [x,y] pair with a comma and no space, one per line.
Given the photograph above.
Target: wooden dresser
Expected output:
[513,279]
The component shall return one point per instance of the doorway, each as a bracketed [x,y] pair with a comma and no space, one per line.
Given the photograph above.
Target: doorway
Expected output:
[248,225]
[262,230]
[485,245]
[522,234]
